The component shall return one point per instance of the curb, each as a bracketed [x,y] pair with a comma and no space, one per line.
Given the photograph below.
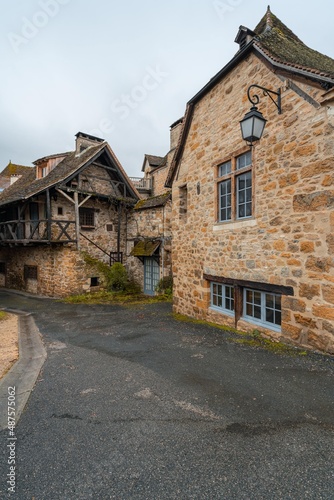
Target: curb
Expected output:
[23,374]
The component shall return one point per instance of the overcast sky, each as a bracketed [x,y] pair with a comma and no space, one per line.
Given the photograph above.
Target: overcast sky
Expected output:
[122,70]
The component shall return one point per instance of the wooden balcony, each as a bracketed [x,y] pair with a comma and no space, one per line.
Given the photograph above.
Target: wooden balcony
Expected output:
[142,184]
[35,232]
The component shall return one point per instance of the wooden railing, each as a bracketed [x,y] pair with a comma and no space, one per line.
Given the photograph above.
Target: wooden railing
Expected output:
[37,231]
[141,183]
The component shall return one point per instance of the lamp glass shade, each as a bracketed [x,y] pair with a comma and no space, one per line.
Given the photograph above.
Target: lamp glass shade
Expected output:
[252,125]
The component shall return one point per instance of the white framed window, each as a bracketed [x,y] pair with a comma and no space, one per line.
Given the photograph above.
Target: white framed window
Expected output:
[222,297]
[234,188]
[262,308]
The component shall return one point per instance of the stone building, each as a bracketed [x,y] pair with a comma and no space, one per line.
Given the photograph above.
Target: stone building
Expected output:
[149,228]
[67,206]
[253,224]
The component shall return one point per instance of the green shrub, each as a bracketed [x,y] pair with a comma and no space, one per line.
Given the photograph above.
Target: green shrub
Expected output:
[165,286]
[118,277]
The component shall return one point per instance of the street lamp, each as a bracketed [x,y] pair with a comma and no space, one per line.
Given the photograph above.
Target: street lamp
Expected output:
[253,123]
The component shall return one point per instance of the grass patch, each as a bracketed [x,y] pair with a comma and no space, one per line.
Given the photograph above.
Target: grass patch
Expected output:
[105,297]
[270,345]
[3,315]
[187,319]
[253,339]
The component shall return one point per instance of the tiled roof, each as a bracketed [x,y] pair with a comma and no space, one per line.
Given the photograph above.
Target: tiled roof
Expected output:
[145,248]
[18,190]
[281,48]
[13,169]
[282,45]
[153,202]
[28,185]
[58,155]
[154,161]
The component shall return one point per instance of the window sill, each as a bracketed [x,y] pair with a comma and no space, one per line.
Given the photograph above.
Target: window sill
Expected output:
[226,312]
[238,224]
[87,228]
[268,326]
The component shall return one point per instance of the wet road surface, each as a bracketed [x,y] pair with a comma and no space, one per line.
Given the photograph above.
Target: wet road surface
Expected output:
[132,404]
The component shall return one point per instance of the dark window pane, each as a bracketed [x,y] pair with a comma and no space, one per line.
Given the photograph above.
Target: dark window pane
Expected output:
[257,298]
[242,182]
[270,300]
[257,312]
[224,169]
[270,315]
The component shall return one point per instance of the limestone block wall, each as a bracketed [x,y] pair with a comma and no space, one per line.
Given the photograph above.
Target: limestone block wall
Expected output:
[105,233]
[289,239]
[97,180]
[154,223]
[61,271]
[158,180]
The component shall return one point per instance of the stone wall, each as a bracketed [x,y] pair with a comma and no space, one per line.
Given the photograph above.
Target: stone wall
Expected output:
[154,223]
[61,269]
[158,180]
[289,239]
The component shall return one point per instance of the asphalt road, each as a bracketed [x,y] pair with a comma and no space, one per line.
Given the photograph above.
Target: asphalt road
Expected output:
[132,404]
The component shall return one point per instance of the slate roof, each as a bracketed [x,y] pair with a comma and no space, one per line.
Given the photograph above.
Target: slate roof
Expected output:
[282,45]
[58,155]
[145,248]
[153,202]
[13,169]
[154,161]
[282,49]
[28,185]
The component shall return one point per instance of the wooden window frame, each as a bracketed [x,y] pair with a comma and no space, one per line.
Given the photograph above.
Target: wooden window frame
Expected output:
[84,216]
[233,176]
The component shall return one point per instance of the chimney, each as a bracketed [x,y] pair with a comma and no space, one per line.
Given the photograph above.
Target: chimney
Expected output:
[84,141]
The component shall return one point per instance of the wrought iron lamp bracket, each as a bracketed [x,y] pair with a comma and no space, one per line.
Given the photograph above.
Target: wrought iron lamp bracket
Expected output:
[255,99]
